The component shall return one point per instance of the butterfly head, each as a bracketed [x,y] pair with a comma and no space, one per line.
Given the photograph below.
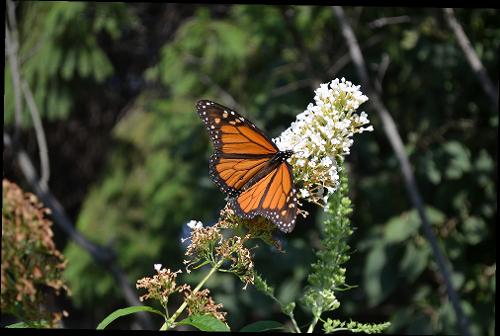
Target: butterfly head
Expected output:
[282,156]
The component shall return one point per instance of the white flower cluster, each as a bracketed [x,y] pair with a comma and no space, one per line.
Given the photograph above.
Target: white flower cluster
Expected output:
[193,224]
[321,136]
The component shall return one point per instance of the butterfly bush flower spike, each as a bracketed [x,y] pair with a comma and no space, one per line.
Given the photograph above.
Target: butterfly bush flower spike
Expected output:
[321,137]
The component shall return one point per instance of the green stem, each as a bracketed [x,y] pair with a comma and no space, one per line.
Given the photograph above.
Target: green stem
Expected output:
[164,326]
[172,319]
[341,329]
[295,325]
[313,324]
[290,315]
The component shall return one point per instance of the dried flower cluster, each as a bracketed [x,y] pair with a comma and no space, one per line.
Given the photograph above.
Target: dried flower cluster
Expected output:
[321,136]
[200,303]
[208,245]
[160,286]
[164,284]
[203,241]
[32,266]
[238,257]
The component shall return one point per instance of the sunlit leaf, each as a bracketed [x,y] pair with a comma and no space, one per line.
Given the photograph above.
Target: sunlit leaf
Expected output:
[127,311]
[205,323]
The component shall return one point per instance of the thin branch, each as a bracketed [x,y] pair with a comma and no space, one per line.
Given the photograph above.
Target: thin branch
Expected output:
[11,47]
[472,57]
[288,67]
[27,55]
[290,87]
[346,58]
[40,135]
[226,96]
[382,69]
[398,147]
[340,63]
[102,255]
[12,44]
[385,21]
[425,139]
[207,80]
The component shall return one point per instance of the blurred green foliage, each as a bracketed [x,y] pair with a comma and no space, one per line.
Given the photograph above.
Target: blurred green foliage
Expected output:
[60,51]
[246,56]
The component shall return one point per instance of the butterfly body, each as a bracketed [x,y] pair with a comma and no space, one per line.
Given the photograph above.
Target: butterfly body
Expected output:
[248,167]
[281,156]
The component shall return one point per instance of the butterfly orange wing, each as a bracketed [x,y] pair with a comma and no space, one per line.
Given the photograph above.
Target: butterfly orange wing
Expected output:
[231,133]
[273,197]
[241,149]
[242,165]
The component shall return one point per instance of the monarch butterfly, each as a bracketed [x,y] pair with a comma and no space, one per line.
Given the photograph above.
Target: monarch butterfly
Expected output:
[248,167]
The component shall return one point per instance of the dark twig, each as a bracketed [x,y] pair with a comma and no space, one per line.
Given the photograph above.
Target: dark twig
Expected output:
[385,21]
[398,147]
[288,67]
[226,96]
[343,60]
[40,135]
[207,80]
[472,57]
[290,87]
[382,68]
[11,46]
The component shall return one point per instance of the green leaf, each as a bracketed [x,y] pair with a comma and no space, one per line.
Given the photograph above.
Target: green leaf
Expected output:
[484,162]
[18,325]
[289,290]
[436,216]
[381,272]
[459,159]
[205,323]
[475,230]
[69,64]
[126,311]
[262,326]
[414,261]
[401,227]
[84,64]
[410,39]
